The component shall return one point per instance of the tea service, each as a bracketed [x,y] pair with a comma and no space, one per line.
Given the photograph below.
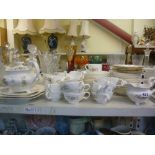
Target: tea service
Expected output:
[74,86]
[53,85]
[68,84]
[56,78]
[102,88]
[53,91]
[113,82]
[20,78]
[140,93]
[74,75]
[76,97]
[75,91]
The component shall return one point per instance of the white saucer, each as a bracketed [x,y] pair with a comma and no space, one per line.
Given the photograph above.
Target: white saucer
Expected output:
[36,90]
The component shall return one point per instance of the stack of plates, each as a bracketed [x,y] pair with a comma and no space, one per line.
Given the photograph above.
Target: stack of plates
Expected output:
[91,76]
[130,73]
[129,77]
[132,69]
[7,96]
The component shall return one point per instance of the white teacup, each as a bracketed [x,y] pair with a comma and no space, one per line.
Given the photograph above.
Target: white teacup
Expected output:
[102,94]
[75,75]
[75,86]
[74,98]
[102,88]
[53,92]
[110,82]
[113,81]
[58,77]
[93,67]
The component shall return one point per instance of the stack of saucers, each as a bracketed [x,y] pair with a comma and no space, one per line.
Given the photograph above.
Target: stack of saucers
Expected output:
[19,97]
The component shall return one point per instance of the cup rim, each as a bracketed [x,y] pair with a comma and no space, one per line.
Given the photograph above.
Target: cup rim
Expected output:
[83,92]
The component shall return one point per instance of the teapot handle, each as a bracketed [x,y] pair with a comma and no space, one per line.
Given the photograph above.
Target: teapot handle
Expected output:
[152,80]
[36,66]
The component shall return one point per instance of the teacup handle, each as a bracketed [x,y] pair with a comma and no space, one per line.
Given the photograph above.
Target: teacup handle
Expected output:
[47,94]
[86,95]
[153,95]
[86,67]
[87,87]
[152,80]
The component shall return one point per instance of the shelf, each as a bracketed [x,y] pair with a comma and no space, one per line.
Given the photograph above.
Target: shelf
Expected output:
[80,53]
[142,46]
[118,106]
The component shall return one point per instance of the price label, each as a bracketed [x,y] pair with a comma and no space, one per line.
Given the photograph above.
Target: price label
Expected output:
[32,110]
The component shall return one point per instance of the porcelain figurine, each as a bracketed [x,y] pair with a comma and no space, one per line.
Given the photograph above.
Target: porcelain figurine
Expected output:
[20,77]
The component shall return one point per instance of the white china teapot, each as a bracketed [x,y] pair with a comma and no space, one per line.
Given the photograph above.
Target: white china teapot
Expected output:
[20,78]
[140,93]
